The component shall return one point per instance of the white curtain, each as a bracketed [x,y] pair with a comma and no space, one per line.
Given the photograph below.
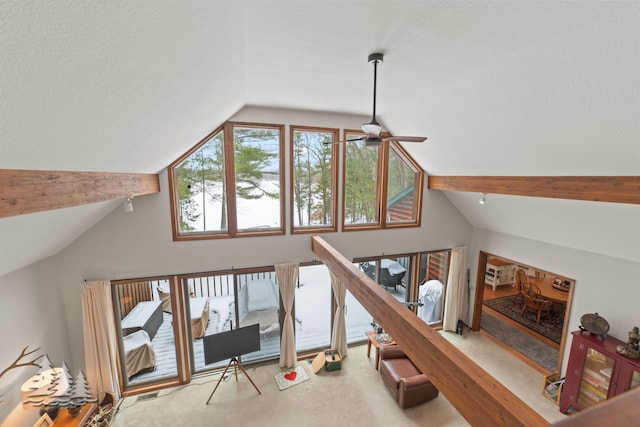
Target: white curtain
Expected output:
[287,278]
[100,339]
[339,334]
[456,285]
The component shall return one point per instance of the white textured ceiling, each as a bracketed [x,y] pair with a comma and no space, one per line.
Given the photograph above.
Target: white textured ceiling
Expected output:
[500,88]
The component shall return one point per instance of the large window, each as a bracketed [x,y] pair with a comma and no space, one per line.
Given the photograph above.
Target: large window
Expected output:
[313,179]
[162,321]
[404,188]
[373,174]
[361,189]
[230,183]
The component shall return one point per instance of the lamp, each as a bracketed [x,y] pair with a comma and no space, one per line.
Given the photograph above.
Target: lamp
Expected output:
[128,204]
[483,199]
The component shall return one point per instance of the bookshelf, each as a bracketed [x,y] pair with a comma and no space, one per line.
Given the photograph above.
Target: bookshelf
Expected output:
[596,372]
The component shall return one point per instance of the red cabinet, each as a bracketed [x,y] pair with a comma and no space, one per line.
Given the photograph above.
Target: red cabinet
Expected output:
[596,372]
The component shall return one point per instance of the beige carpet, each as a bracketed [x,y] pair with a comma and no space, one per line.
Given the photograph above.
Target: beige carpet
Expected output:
[354,395]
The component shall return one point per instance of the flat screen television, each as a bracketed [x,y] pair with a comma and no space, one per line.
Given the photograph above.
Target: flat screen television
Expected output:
[233,343]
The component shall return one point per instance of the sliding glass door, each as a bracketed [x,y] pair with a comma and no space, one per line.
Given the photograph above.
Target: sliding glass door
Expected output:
[313,308]
[145,321]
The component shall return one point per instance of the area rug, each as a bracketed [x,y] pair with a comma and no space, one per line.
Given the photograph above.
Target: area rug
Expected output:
[288,379]
[550,326]
[543,354]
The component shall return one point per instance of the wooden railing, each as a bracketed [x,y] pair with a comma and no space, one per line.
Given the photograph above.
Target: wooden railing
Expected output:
[210,286]
[481,399]
[130,294]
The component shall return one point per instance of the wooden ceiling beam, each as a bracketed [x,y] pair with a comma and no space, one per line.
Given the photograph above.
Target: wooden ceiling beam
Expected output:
[614,189]
[481,399]
[29,191]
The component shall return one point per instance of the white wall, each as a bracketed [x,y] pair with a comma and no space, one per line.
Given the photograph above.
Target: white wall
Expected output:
[606,285]
[140,244]
[31,314]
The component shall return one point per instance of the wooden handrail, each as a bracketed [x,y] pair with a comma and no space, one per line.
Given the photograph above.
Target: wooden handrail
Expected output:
[480,398]
[621,410]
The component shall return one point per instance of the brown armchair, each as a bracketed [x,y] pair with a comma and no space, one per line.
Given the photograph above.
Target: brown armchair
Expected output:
[533,300]
[407,384]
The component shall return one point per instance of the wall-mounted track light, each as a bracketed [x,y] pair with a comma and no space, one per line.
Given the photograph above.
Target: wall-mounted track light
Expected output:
[128,204]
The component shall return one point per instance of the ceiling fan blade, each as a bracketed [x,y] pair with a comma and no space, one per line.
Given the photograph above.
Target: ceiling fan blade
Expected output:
[405,138]
[346,140]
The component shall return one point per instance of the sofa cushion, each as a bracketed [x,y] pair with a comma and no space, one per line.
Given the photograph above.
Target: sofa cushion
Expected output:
[397,369]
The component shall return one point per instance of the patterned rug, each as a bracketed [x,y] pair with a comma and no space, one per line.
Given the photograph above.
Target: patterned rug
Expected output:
[550,324]
[285,380]
[543,354]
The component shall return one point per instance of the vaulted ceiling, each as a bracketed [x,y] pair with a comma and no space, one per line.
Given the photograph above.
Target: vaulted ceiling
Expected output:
[500,88]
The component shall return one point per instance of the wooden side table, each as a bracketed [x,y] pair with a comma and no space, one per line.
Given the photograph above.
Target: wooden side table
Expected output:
[372,340]
[65,420]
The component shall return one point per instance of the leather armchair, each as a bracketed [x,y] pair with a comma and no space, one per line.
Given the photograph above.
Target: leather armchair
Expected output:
[407,384]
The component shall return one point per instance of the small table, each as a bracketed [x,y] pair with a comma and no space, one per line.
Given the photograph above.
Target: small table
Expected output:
[558,296]
[64,419]
[372,340]
[548,291]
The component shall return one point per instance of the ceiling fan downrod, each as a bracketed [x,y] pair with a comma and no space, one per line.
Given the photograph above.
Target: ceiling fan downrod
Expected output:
[375,59]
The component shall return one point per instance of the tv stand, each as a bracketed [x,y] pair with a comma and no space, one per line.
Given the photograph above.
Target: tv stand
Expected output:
[236,365]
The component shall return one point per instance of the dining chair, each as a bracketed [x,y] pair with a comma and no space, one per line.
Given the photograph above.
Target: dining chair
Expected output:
[521,278]
[533,300]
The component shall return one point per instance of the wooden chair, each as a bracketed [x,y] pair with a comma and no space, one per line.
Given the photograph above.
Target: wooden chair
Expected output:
[521,278]
[534,300]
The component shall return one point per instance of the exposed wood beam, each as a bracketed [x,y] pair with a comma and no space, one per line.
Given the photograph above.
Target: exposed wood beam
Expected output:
[29,191]
[622,410]
[479,397]
[615,189]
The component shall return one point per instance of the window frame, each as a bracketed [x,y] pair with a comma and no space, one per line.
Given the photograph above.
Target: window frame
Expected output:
[229,185]
[334,180]
[418,183]
[369,226]
[382,186]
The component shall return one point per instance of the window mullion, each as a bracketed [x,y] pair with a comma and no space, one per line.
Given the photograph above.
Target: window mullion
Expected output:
[230,179]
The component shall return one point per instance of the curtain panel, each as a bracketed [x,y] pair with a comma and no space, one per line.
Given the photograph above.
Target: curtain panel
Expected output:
[287,279]
[339,334]
[456,285]
[100,339]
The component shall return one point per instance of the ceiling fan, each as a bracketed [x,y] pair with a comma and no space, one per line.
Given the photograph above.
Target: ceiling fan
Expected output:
[372,130]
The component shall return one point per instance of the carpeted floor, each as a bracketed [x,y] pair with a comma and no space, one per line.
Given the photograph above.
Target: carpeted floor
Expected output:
[354,395]
[543,354]
[550,325]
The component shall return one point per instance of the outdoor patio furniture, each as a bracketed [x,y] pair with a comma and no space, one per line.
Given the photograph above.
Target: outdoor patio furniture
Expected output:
[139,353]
[146,315]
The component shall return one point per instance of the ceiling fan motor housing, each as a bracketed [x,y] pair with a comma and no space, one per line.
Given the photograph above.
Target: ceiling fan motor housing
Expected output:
[376,58]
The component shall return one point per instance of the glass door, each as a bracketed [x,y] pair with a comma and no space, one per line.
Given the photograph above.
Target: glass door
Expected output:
[258,301]
[596,378]
[145,320]
[313,299]
[210,310]
[635,379]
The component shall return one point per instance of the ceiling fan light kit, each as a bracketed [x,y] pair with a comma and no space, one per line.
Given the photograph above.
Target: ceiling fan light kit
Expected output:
[372,130]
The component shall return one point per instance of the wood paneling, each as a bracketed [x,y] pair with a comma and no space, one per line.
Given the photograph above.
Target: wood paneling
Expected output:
[438,266]
[616,189]
[479,397]
[29,191]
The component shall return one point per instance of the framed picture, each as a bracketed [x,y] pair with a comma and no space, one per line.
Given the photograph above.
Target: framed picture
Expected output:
[44,421]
